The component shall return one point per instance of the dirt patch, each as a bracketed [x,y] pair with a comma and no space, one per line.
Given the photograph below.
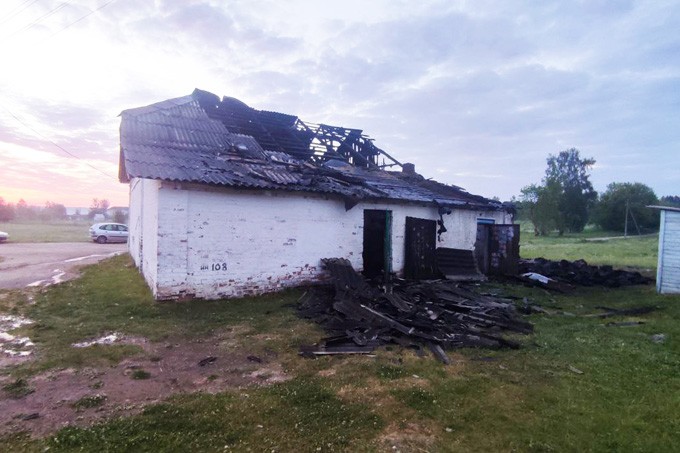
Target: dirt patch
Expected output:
[80,397]
[407,437]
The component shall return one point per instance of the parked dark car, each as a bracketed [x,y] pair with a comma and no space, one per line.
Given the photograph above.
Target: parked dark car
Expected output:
[109,232]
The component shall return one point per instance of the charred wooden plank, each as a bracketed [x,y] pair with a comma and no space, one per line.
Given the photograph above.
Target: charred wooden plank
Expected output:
[439,353]
[438,314]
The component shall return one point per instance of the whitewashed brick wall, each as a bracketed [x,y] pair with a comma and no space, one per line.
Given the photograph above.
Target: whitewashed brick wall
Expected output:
[143,228]
[226,243]
[135,221]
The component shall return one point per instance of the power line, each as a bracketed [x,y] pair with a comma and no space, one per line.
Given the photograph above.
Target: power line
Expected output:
[82,17]
[10,15]
[36,21]
[53,11]
[56,144]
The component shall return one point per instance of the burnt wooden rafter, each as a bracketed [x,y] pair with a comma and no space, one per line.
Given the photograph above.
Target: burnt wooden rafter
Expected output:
[289,134]
[350,145]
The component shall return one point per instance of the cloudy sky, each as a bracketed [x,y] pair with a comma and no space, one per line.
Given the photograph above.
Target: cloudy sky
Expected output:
[475,93]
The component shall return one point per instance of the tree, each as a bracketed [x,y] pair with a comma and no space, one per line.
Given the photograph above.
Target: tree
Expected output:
[564,198]
[623,199]
[539,205]
[25,212]
[6,211]
[119,216]
[98,207]
[568,172]
[53,211]
[670,200]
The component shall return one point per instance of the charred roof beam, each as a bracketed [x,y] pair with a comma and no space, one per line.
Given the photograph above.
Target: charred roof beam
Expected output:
[288,133]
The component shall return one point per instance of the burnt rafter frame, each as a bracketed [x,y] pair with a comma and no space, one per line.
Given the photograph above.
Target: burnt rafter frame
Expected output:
[349,145]
[289,134]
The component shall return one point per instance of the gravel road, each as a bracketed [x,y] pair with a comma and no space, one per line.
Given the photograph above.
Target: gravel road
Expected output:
[42,264]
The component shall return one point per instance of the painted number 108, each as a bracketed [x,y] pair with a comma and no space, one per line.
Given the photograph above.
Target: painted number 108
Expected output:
[218,266]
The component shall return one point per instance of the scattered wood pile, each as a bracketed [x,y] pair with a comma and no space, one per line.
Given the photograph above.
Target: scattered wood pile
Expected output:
[437,314]
[581,273]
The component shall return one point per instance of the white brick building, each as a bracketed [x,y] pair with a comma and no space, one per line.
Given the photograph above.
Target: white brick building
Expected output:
[227,201]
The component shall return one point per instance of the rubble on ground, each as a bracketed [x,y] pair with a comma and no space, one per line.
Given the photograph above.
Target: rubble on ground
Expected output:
[579,272]
[437,314]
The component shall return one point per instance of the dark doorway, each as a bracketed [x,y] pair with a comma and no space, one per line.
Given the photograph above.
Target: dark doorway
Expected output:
[497,249]
[482,247]
[377,252]
[421,241]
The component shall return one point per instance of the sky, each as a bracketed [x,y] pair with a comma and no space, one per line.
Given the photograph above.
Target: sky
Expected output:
[475,93]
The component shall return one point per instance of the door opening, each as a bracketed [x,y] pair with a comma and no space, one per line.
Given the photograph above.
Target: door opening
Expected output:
[483,246]
[497,249]
[377,253]
[419,250]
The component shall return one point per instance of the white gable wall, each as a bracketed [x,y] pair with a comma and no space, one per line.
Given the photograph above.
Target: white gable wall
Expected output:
[143,228]
[226,243]
[668,269]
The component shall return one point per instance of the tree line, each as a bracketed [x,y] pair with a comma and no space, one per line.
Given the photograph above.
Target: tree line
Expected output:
[565,200]
[22,211]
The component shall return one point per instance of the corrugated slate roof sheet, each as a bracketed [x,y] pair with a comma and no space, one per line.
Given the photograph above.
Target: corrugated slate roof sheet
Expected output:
[229,144]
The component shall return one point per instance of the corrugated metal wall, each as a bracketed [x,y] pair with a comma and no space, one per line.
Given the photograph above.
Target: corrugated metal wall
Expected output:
[668,272]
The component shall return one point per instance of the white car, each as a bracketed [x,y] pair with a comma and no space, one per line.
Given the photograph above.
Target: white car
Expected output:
[3,236]
[109,232]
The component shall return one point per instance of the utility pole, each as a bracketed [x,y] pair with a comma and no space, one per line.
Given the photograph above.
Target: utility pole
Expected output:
[637,227]
[625,223]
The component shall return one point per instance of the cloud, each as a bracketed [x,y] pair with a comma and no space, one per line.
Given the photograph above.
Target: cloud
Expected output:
[475,93]
[39,176]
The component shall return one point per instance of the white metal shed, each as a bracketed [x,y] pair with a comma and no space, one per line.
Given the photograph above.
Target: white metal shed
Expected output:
[668,268]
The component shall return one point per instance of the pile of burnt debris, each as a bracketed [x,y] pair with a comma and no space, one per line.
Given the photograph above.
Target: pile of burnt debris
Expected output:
[437,314]
[581,273]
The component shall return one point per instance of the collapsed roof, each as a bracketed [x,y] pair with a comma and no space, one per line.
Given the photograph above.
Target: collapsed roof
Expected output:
[202,139]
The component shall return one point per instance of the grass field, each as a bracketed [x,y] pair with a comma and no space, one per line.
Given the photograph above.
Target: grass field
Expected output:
[575,385]
[54,231]
[632,252]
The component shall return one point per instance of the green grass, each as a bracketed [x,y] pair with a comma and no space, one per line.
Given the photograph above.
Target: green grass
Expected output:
[627,397]
[17,389]
[53,231]
[632,252]
[140,374]
[530,400]
[112,297]
[300,415]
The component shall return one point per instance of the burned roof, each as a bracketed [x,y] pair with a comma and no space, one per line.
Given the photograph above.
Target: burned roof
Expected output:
[202,139]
